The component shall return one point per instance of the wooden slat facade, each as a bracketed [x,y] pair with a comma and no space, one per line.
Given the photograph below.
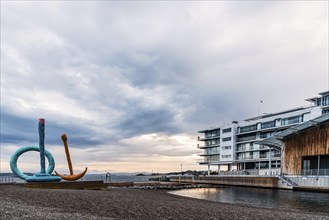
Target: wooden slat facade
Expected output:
[310,142]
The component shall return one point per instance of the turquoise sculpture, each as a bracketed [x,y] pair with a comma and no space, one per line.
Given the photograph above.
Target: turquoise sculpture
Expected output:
[43,175]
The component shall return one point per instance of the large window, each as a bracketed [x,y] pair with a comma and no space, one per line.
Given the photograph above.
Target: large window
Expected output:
[248,128]
[214,150]
[212,142]
[325,100]
[211,134]
[312,166]
[246,138]
[269,124]
[292,120]
[227,130]
[211,158]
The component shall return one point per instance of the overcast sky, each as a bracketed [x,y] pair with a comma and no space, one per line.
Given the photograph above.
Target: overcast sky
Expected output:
[131,83]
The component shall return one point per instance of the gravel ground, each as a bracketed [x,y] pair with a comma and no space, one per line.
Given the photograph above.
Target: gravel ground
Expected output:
[17,202]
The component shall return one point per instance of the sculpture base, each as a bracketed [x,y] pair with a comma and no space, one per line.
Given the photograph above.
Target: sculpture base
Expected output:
[43,177]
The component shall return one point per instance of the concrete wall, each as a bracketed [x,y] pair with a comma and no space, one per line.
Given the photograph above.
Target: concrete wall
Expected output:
[255,181]
[310,181]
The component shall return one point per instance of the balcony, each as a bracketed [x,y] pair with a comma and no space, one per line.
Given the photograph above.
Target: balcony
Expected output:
[245,157]
[209,137]
[244,139]
[262,156]
[209,159]
[207,146]
[209,153]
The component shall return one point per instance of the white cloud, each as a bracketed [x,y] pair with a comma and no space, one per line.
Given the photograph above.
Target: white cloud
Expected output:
[138,79]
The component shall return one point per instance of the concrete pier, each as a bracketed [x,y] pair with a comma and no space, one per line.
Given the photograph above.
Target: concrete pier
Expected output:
[254,181]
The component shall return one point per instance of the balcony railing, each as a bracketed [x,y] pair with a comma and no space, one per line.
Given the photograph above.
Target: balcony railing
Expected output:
[315,172]
[245,157]
[216,152]
[242,139]
[212,136]
[207,146]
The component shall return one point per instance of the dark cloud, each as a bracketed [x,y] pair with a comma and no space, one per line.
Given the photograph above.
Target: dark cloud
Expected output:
[18,129]
[145,121]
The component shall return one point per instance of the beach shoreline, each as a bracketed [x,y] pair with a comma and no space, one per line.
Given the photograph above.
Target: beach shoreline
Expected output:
[18,202]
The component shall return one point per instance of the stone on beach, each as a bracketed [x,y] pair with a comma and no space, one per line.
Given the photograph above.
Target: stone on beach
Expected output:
[17,202]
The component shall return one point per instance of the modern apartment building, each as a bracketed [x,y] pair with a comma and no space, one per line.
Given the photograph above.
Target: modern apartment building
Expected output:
[234,145]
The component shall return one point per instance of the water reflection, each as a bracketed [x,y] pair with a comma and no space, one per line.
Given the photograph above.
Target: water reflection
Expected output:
[272,198]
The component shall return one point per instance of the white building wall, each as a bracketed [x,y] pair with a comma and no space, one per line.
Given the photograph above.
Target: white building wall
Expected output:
[227,146]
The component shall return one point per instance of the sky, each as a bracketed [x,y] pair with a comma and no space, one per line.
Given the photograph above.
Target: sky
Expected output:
[132,82]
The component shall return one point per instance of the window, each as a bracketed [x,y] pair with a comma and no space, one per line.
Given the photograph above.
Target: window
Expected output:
[227,130]
[292,120]
[226,148]
[325,111]
[246,138]
[212,142]
[248,128]
[211,134]
[325,100]
[211,151]
[226,156]
[226,139]
[241,147]
[269,124]
[266,135]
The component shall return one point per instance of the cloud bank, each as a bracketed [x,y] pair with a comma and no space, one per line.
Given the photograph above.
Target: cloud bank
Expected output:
[132,82]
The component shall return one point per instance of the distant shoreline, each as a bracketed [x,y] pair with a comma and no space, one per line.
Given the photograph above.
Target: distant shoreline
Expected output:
[17,202]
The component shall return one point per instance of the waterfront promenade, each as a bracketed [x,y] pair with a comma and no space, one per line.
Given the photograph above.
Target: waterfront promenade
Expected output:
[17,202]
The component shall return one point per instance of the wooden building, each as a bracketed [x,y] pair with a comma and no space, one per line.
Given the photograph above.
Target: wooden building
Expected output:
[305,147]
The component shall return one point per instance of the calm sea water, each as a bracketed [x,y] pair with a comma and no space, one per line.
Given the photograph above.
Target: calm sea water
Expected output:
[307,201]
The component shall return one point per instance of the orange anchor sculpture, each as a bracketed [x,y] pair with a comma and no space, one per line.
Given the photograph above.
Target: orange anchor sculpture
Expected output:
[72,176]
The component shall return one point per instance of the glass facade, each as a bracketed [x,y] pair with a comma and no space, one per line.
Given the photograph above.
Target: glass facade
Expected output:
[269,124]
[325,100]
[292,120]
[248,128]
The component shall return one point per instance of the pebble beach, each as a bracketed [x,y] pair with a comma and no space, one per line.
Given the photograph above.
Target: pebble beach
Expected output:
[18,202]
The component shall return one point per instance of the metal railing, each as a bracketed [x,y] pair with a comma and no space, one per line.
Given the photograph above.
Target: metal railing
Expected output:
[257,172]
[287,181]
[245,157]
[242,139]
[315,172]
[6,178]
